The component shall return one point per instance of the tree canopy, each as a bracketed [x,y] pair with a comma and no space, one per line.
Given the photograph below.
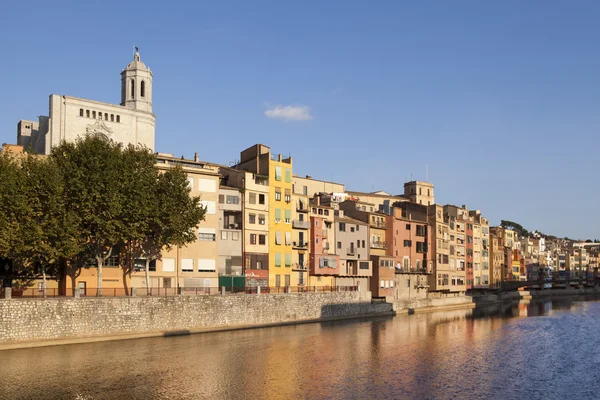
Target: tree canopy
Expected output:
[514,226]
[88,200]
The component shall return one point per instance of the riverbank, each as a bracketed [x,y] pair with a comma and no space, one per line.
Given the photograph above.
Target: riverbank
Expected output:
[466,302]
[35,323]
[50,322]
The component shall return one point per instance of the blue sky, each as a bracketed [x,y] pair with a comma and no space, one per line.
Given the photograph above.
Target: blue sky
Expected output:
[501,99]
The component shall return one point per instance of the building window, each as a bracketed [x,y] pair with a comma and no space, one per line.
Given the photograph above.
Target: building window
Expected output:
[187,264]
[252,198]
[305,190]
[261,219]
[277,194]
[363,265]
[143,89]
[223,235]
[106,116]
[112,117]
[81,112]
[208,235]
[221,196]
[87,113]
[232,199]
[363,244]
[278,215]
[408,227]
[339,245]
[288,216]
[94,114]
[261,199]
[132,89]
[407,243]
[342,227]
[288,175]
[252,218]
[99,115]
[277,173]
[262,239]
[278,260]
[118,118]
[253,238]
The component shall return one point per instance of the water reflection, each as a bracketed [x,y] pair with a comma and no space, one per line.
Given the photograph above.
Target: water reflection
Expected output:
[500,351]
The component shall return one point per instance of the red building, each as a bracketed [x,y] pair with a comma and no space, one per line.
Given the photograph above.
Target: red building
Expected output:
[409,238]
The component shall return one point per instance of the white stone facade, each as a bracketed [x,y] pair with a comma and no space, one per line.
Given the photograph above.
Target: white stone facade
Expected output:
[131,122]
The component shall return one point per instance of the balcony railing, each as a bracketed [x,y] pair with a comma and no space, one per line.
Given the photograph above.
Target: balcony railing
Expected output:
[378,225]
[300,245]
[297,224]
[302,208]
[378,245]
[300,265]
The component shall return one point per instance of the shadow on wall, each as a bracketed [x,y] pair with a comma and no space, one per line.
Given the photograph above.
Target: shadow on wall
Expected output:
[345,310]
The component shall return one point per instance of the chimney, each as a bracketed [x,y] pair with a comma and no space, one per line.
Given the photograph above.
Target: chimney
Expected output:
[196,157]
[308,177]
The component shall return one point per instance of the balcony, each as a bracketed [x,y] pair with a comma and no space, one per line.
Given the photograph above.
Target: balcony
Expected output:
[300,245]
[300,266]
[297,224]
[302,207]
[378,225]
[351,251]
[379,245]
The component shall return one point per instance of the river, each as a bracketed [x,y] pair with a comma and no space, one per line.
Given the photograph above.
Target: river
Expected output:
[532,350]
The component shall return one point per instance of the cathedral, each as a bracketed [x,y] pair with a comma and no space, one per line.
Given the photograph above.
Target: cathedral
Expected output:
[132,121]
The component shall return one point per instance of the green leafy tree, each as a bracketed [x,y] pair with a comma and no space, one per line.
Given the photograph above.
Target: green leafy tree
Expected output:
[173,216]
[48,231]
[93,171]
[13,205]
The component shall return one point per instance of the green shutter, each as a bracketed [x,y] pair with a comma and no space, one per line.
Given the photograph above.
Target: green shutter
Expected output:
[278,213]
[288,260]
[288,214]
[278,259]
[288,175]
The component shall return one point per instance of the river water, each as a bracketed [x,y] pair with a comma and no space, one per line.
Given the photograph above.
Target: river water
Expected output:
[536,350]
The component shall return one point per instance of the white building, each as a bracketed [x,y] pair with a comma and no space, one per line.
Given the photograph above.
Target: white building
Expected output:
[69,117]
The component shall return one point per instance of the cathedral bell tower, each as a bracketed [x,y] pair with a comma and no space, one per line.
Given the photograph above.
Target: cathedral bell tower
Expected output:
[136,85]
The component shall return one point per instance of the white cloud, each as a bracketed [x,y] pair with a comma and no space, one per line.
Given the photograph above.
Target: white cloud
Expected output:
[289,113]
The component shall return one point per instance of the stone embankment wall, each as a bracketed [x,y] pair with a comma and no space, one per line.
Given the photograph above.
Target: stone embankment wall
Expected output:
[433,304]
[60,319]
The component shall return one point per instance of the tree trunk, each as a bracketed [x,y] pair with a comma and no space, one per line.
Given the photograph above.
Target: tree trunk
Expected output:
[147,276]
[44,280]
[100,261]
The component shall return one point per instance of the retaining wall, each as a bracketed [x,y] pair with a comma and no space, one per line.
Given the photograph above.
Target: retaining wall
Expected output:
[68,318]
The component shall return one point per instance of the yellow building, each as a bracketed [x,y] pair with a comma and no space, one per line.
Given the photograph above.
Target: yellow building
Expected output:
[278,171]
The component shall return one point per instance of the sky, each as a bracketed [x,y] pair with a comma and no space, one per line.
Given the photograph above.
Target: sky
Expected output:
[494,102]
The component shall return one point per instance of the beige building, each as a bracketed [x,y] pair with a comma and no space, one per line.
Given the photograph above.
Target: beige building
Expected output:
[230,231]
[419,192]
[255,227]
[300,237]
[195,265]
[440,278]
[375,201]
[352,239]
[308,186]
[69,117]
[481,266]
[378,243]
